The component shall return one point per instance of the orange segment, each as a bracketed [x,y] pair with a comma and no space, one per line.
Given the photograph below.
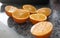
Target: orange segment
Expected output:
[30,8]
[34,18]
[46,11]
[20,16]
[9,10]
[42,29]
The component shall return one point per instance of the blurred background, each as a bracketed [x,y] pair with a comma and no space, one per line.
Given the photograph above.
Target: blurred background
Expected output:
[25,1]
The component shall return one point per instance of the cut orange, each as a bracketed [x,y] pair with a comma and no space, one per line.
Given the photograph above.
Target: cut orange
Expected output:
[20,16]
[9,10]
[35,18]
[42,29]
[46,11]
[30,8]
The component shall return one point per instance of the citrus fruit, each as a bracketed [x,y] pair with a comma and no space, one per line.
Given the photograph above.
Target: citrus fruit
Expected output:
[10,9]
[30,8]
[20,16]
[34,18]
[42,29]
[46,11]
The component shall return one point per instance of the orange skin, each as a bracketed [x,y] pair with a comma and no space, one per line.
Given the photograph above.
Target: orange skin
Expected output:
[8,14]
[44,36]
[19,20]
[33,21]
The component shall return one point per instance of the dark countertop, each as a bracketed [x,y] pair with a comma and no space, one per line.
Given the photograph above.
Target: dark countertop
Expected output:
[23,30]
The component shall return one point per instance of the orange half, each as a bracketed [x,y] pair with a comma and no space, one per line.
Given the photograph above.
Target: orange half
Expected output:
[9,10]
[20,16]
[30,8]
[46,11]
[35,18]
[42,29]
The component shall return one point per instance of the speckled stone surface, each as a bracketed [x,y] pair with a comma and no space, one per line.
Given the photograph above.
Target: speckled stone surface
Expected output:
[22,29]
[55,19]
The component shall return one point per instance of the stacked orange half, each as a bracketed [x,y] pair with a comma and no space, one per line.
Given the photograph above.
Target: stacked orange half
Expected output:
[10,9]
[20,15]
[30,8]
[46,11]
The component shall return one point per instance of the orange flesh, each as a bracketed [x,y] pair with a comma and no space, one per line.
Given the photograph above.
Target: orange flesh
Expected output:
[10,9]
[30,8]
[45,11]
[41,28]
[38,17]
[21,14]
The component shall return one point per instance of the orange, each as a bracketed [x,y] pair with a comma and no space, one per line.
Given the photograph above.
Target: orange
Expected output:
[9,10]
[46,11]
[42,29]
[30,8]
[20,16]
[35,18]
